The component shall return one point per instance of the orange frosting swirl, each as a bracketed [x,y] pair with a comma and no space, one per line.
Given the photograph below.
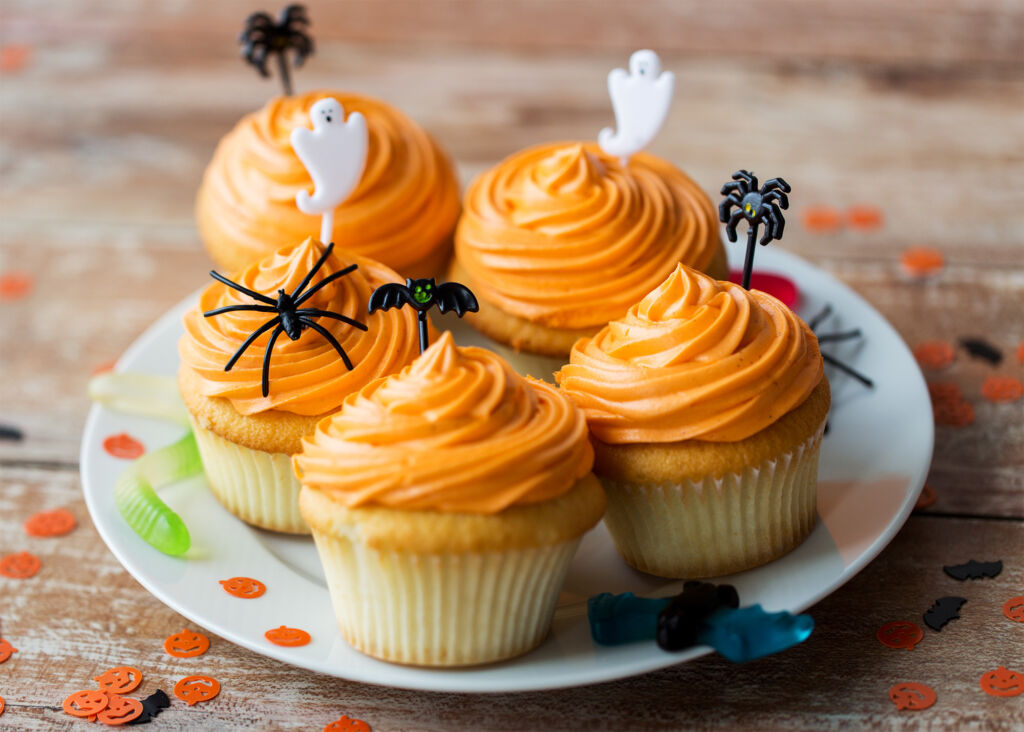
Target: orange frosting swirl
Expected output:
[307,376]
[561,234]
[457,431]
[695,359]
[402,211]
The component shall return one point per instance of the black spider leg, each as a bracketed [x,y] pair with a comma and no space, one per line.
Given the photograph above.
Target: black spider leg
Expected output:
[832,360]
[733,199]
[730,227]
[233,308]
[316,312]
[313,270]
[735,186]
[235,286]
[774,223]
[747,176]
[776,184]
[266,358]
[836,337]
[325,281]
[248,341]
[820,317]
[330,339]
[777,195]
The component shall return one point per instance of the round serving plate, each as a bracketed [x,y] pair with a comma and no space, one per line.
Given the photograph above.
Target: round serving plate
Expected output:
[872,466]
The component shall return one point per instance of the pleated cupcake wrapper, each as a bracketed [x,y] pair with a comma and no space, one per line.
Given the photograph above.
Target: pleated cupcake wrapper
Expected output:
[718,525]
[258,487]
[443,609]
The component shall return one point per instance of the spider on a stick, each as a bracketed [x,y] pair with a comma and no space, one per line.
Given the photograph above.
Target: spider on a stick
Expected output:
[291,319]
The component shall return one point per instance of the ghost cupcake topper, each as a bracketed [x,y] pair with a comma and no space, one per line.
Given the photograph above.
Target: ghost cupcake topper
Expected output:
[263,36]
[744,200]
[641,99]
[334,153]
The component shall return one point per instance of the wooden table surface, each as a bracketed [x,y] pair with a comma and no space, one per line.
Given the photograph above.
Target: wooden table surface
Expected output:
[110,112]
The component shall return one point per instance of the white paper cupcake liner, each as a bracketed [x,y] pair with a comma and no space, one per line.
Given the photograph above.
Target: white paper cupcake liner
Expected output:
[258,487]
[718,525]
[443,609]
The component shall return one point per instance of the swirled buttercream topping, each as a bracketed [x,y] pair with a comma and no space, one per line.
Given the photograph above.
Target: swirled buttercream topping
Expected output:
[456,431]
[563,235]
[403,209]
[695,359]
[307,376]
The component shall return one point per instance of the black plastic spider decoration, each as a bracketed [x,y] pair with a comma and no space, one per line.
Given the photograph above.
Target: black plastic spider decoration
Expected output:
[291,319]
[262,37]
[836,338]
[756,206]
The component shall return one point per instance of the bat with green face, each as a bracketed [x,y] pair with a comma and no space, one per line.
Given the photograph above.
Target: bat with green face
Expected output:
[423,295]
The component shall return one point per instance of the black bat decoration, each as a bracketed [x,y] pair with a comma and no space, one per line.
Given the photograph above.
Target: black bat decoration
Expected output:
[423,295]
[151,707]
[10,432]
[680,620]
[974,570]
[980,348]
[944,610]
[743,200]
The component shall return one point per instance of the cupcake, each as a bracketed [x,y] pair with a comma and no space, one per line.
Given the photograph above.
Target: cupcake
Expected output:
[706,404]
[559,239]
[245,438]
[402,213]
[446,503]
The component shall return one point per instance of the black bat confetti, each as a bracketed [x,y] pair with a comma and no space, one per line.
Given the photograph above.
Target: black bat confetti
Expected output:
[423,295]
[944,610]
[151,707]
[974,570]
[10,432]
[980,348]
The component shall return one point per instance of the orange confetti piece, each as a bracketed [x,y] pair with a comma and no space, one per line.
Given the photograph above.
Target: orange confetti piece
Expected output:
[1002,681]
[953,413]
[50,523]
[1002,388]
[345,724]
[285,636]
[822,219]
[196,689]
[1,706]
[19,566]
[922,261]
[120,710]
[124,446]
[85,703]
[944,390]
[1014,609]
[911,695]
[15,285]
[900,634]
[119,680]
[864,218]
[6,649]
[926,498]
[14,57]
[934,355]
[245,587]
[186,644]
[1020,353]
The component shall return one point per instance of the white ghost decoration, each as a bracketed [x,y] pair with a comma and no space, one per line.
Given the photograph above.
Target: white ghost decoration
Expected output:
[641,100]
[334,153]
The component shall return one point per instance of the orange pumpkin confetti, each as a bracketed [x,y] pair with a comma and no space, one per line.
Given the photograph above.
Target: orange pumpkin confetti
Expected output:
[864,218]
[1002,682]
[1020,353]
[124,446]
[119,680]
[285,636]
[50,523]
[900,634]
[86,703]
[944,391]
[196,689]
[822,219]
[1014,609]
[14,57]
[15,285]
[954,413]
[926,498]
[186,644]
[120,710]
[1,706]
[19,566]
[6,649]
[922,261]
[934,355]
[911,695]
[345,724]
[998,388]
[245,587]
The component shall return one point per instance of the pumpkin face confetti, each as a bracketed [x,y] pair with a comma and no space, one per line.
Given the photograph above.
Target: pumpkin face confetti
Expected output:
[1002,389]
[121,709]
[1002,682]
[912,696]
[285,636]
[864,218]
[197,689]
[186,644]
[245,587]
[1012,609]
[15,285]
[19,566]
[922,261]
[50,523]
[900,634]
[345,724]
[85,703]
[822,219]
[123,446]
[119,680]
[926,498]
[6,649]
[934,355]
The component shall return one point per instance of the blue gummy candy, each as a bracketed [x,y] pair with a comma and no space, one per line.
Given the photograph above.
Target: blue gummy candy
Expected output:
[625,618]
[747,633]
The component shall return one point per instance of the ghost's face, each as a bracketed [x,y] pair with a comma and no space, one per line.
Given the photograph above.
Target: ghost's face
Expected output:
[644,64]
[326,112]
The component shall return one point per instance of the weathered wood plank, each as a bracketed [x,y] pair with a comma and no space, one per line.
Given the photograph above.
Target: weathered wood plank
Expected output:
[839,678]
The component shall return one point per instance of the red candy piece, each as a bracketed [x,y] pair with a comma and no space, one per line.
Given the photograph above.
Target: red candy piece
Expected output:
[777,286]
[50,523]
[1002,388]
[19,566]
[900,634]
[912,696]
[285,636]
[1002,681]
[934,355]
[245,587]
[123,446]
[196,689]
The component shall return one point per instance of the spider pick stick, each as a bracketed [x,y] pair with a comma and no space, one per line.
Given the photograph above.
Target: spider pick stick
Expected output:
[263,36]
[423,295]
[334,153]
[744,200]
[641,98]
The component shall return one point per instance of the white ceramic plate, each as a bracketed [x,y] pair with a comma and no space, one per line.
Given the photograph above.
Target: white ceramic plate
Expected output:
[873,465]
